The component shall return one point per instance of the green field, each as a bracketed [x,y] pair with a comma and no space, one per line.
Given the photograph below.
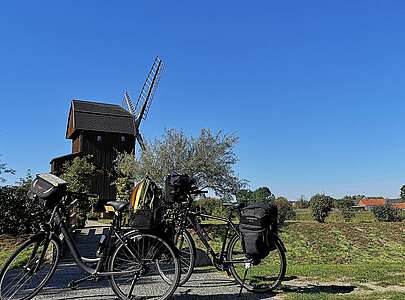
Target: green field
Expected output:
[363,259]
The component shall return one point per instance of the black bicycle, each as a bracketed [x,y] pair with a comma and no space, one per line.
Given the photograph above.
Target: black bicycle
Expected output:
[138,265]
[259,278]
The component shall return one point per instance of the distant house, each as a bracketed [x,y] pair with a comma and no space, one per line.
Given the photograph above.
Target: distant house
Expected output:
[369,203]
[400,205]
[394,201]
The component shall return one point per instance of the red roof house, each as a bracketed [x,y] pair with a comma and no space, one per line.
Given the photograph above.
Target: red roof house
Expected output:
[369,203]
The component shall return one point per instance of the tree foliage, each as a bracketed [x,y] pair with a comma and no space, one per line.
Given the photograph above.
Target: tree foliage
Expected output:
[284,209]
[321,205]
[387,213]
[345,205]
[402,194]
[125,169]
[209,158]
[4,170]
[301,203]
[262,194]
[20,215]
[78,173]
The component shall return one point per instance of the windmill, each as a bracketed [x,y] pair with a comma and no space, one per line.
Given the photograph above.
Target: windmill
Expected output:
[145,98]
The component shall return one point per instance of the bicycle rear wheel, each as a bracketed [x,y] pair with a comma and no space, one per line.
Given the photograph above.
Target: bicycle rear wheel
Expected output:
[262,278]
[23,275]
[155,267]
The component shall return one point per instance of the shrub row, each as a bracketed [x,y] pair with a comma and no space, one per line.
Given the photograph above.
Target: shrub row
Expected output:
[20,215]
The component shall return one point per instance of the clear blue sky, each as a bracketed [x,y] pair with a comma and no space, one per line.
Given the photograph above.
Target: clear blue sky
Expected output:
[314,89]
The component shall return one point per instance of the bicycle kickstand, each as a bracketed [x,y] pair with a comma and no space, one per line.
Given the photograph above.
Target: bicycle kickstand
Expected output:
[243,282]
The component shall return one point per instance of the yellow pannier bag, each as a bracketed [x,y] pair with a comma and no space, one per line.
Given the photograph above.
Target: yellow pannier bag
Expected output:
[145,202]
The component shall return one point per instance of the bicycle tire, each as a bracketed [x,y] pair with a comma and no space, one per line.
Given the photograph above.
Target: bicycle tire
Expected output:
[134,239]
[187,267]
[280,276]
[36,239]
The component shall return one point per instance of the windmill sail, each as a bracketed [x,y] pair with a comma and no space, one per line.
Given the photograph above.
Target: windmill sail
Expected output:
[148,90]
[144,99]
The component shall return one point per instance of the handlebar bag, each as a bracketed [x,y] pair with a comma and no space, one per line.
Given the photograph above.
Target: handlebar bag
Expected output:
[258,223]
[48,188]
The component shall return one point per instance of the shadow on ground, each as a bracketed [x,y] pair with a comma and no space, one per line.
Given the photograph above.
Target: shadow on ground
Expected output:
[317,289]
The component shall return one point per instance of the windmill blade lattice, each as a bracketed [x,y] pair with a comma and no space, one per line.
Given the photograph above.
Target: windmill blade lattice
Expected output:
[144,99]
[148,89]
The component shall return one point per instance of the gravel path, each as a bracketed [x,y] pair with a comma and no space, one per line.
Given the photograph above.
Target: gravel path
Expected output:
[204,284]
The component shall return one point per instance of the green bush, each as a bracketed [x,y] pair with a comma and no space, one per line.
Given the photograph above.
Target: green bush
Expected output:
[387,213]
[285,210]
[208,205]
[78,173]
[321,205]
[345,205]
[20,215]
[301,203]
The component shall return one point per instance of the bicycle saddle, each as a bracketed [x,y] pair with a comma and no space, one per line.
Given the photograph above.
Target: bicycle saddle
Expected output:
[118,205]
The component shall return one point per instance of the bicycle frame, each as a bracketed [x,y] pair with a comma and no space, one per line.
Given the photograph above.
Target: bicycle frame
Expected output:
[115,230]
[191,220]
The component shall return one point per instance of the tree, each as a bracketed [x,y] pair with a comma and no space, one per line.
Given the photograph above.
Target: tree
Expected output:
[387,213]
[77,173]
[209,158]
[125,169]
[321,205]
[263,194]
[4,170]
[403,193]
[345,205]
[245,196]
[284,209]
[301,203]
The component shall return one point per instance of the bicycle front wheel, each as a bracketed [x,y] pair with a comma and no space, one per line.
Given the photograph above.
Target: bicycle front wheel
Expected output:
[29,268]
[262,278]
[151,266]
[187,252]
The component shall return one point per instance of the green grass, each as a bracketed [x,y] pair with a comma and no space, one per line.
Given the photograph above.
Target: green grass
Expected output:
[382,274]
[344,243]
[335,216]
[329,296]
[4,255]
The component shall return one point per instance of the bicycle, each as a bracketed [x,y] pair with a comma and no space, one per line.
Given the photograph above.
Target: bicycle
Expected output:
[258,278]
[129,260]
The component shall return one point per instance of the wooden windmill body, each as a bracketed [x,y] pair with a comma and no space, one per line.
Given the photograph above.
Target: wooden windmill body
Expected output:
[101,130]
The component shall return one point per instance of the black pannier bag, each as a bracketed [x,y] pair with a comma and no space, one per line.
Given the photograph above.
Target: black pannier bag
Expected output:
[257,224]
[48,188]
[177,186]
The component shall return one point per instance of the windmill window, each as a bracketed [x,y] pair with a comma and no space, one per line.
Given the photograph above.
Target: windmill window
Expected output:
[99,139]
[122,138]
